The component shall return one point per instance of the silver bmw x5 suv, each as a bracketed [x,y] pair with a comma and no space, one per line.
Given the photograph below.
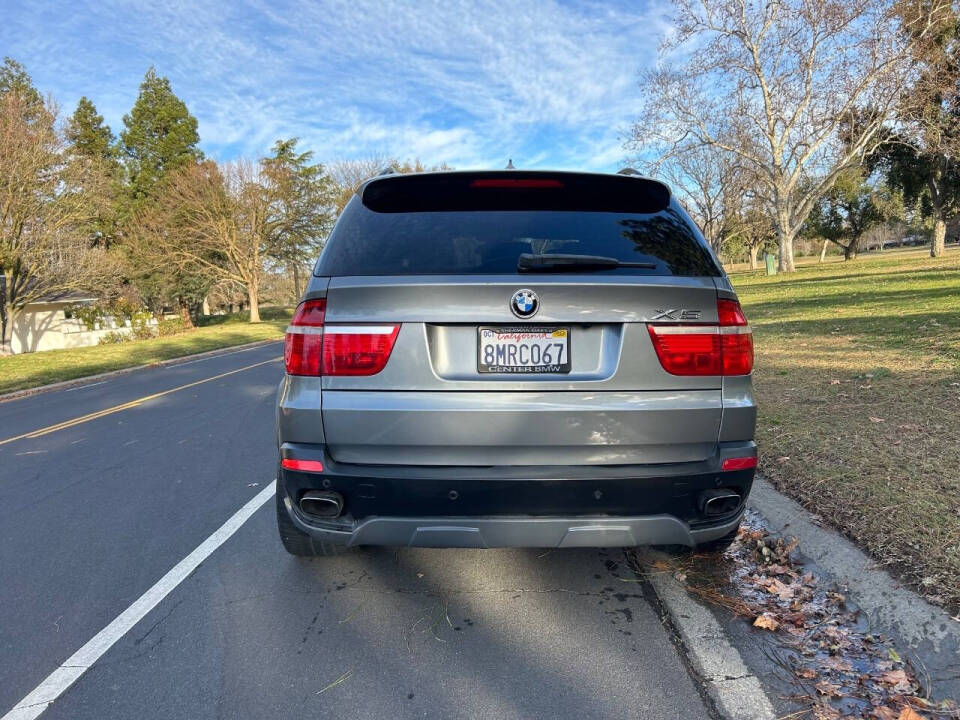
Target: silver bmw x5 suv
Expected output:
[490,359]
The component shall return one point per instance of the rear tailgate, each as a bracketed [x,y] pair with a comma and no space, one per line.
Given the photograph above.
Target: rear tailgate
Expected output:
[432,405]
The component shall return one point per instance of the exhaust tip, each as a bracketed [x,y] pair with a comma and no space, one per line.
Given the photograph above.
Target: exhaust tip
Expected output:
[715,503]
[321,504]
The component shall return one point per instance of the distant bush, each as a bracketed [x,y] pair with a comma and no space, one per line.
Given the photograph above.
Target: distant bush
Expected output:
[114,337]
[170,326]
[89,315]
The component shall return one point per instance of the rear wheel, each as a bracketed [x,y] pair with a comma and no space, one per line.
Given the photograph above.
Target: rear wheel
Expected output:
[297,542]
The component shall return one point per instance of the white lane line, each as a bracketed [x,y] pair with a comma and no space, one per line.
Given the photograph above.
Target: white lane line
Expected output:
[84,387]
[83,659]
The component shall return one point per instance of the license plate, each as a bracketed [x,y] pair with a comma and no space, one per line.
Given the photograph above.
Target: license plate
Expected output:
[523,349]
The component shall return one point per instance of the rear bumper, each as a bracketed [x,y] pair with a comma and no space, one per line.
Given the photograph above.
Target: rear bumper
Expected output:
[546,532]
[581,506]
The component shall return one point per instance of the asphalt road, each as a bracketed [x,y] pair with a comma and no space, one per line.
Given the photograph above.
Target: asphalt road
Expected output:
[93,513]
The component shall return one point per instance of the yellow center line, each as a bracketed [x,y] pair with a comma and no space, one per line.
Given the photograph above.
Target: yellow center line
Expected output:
[127,405]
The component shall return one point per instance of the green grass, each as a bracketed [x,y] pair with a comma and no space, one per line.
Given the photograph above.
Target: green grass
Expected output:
[18,372]
[858,382]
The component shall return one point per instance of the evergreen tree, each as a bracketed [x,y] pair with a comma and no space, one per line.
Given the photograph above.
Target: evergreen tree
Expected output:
[160,135]
[301,200]
[87,134]
[14,78]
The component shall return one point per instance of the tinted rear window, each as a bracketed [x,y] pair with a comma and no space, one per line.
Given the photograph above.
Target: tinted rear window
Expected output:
[469,223]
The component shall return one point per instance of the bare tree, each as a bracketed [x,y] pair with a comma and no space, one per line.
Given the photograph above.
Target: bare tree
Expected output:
[797,90]
[348,175]
[47,204]
[701,177]
[219,220]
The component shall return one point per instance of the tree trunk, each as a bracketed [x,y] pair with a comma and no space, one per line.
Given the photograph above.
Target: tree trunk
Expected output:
[184,309]
[785,241]
[296,282]
[754,249]
[823,250]
[206,305]
[850,250]
[6,333]
[253,293]
[937,246]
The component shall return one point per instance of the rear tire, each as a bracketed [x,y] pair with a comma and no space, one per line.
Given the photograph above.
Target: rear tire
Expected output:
[295,541]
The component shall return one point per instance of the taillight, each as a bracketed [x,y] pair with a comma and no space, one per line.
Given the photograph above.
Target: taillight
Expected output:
[357,349]
[722,349]
[313,348]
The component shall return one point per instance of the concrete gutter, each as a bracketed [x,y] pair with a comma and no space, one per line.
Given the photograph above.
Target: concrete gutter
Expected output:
[932,636]
[87,379]
[735,691]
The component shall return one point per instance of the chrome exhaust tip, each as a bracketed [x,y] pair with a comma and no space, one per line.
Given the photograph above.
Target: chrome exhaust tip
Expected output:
[321,504]
[715,503]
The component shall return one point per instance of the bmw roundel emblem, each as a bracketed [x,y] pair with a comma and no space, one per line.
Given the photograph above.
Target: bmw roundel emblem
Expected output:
[524,303]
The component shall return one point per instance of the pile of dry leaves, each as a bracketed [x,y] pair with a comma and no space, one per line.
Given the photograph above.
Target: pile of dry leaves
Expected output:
[839,666]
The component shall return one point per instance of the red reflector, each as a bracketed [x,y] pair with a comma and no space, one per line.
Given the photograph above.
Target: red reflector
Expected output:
[743,463]
[357,349]
[510,183]
[302,465]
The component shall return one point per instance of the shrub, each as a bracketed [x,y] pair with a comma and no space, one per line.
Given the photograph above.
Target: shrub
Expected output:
[89,315]
[113,337]
[171,326]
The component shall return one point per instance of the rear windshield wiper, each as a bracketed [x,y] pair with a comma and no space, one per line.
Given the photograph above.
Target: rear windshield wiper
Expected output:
[558,262]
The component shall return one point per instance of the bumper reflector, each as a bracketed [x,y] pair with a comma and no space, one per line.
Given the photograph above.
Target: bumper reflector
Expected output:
[304,465]
[741,463]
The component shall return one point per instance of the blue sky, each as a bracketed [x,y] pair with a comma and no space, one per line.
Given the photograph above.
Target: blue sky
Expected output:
[468,83]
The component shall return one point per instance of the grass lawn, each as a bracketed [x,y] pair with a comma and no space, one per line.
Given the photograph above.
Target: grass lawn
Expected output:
[32,369]
[858,381]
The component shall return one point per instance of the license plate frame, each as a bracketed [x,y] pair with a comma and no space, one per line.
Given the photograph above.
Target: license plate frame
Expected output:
[563,368]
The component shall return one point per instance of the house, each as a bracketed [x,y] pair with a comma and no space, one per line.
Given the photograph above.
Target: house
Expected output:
[43,325]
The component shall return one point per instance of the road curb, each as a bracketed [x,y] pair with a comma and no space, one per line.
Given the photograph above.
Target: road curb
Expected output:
[87,379]
[892,609]
[736,692]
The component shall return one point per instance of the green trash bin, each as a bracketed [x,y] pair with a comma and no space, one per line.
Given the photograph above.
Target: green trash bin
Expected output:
[771,261]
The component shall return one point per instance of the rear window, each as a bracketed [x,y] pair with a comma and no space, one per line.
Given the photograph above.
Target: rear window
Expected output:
[480,223]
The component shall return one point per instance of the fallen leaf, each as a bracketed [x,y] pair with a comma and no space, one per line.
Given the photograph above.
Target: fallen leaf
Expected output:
[898,680]
[783,459]
[825,712]
[884,713]
[828,689]
[876,420]
[908,713]
[908,427]
[806,673]
[834,382]
[894,655]
[766,621]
